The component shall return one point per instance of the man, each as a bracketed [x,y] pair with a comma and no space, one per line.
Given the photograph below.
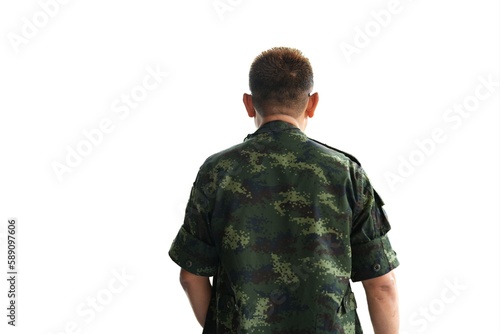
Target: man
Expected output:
[283,223]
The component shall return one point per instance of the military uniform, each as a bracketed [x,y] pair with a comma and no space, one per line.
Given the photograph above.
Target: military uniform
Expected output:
[283,223]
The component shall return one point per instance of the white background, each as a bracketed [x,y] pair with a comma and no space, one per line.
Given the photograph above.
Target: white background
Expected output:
[120,208]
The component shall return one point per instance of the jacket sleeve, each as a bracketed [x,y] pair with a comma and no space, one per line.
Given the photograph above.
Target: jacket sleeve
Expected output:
[372,253]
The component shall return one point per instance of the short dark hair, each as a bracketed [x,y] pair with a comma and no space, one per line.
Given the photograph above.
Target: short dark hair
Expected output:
[280,76]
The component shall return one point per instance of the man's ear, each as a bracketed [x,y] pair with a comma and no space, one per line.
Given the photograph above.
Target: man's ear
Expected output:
[311,104]
[247,101]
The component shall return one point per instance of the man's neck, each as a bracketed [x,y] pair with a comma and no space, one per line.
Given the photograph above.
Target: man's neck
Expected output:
[299,123]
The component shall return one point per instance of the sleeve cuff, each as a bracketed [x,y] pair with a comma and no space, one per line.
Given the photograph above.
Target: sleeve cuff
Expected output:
[373,259]
[193,255]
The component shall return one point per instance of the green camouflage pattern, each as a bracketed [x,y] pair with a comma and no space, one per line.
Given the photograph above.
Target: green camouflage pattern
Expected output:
[283,223]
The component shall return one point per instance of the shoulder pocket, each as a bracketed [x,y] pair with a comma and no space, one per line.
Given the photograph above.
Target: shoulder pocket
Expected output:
[381,215]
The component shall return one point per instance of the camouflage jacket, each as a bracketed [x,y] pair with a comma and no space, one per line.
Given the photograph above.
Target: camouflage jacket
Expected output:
[283,223]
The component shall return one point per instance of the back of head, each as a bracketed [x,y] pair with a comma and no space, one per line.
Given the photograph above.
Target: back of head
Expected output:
[281,79]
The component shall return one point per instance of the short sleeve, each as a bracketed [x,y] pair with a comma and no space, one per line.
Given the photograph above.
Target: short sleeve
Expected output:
[372,253]
[192,248]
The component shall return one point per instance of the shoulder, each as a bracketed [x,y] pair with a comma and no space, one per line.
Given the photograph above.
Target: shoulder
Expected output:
[221,162]
[228,153]
[337,152]
[348,160]
[359,172]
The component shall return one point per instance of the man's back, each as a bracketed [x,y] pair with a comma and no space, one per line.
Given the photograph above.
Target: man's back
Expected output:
[280,210]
